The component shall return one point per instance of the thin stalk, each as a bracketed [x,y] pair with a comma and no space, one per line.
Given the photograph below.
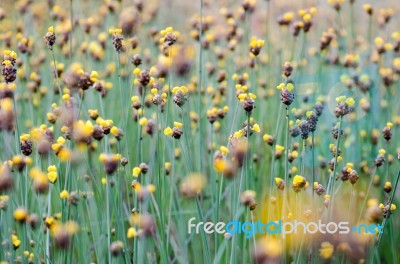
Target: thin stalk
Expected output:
[286,178]
[203,235]
[108,221]
[332,180]
[248,170]
[17,148]
[72,26]
[48,233]
[200,73]
[313,164]
[160,188]
[386,218]
[55,72]
[254,237]
[366,196]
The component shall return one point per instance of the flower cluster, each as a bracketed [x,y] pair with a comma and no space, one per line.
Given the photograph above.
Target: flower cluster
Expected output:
[175,132]
[117,38]
[8,63]
[169,36]
[344,105]
[50,38]
[287,95]
[256,45]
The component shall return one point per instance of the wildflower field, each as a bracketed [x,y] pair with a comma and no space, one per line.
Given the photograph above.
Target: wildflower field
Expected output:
[168,131]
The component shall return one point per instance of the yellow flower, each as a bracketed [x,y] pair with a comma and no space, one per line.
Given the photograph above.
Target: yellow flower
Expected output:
[266,137]
[135,99]
[326,250]
[220,165]
[136,71]
[382,152]
[154,91]
[307,17]
[66,97]
[7,63]
[168,131]
[131,232]
[114,130]
[298,180]
[254,43]
[143,121]
[340,99]
[256,128]
[280,86]
[279,148]
[238,134]
[64,154]
[242,96]
[278,180]
[64,194]
[7,105]
[52,176]
[224,150]
[289,86]
[49,221]
[113,31]
[350,101]
[136,171]
[367,7]
[388,184]
[178,125]
[16,242]
[20,214]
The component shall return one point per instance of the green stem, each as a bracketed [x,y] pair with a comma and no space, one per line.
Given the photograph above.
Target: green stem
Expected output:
[284,213]
[200,83]
[332,179]
[386,218]
[108,221]
[203,235]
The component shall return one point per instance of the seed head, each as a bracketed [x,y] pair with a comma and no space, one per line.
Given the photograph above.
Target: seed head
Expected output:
[117,39]
[287,96]
[50,38]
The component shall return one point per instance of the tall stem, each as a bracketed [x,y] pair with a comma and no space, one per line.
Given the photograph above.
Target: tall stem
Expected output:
[389,204]
[200,73]
[55,72]
[332,179]
[72,26]
[313,163]
[108,221]
[284,213]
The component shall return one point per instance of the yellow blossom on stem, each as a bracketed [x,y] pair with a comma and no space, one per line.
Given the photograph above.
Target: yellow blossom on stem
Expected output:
[64,194]
[136,171]
[168,131]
